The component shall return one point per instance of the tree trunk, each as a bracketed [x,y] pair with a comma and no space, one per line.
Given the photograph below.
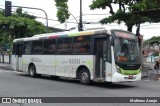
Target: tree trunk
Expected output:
[111,9]
[120,6]
[129,28]
[138,30]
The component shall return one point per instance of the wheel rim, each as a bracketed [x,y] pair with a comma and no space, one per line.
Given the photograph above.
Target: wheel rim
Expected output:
[31,71]
[84,76]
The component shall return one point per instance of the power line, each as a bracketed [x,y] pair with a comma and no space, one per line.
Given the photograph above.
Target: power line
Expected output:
[97,14]
[45,18]
[67,21]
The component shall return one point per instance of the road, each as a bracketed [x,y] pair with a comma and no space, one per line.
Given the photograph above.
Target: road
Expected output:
[13,84]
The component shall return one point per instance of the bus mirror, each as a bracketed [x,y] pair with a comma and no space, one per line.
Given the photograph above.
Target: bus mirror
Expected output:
[112,41]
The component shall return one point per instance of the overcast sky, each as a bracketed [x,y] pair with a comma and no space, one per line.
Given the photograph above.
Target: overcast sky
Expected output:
[147,29]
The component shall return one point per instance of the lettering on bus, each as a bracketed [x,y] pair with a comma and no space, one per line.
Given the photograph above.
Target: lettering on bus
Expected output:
[64,62]
[125,35]
[74,61]
[36,59]
[122,58]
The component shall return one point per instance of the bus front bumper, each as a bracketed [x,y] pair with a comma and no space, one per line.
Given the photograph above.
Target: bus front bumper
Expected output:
[117,77]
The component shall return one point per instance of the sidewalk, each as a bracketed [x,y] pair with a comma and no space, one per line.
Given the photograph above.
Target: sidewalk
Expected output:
[5,66]
[146,67]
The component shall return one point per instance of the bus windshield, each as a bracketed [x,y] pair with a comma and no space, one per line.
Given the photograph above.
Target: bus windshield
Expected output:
[126,50]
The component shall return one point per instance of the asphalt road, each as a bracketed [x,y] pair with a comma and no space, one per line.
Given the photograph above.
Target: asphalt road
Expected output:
[13,84]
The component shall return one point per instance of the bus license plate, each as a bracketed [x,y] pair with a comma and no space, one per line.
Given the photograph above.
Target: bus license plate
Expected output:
[130,77]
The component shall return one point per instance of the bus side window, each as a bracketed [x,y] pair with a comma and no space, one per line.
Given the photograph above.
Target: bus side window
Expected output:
[27,48]
[64,45]
[49,46]
[37,47]
[81,45]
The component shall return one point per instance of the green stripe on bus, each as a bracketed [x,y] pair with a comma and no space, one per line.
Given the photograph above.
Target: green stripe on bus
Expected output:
[74,34]
[130,72]
[89,63]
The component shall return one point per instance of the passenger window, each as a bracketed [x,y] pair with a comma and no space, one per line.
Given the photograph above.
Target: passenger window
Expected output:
[49,46]
[27,48]
[37,47]
[81,45]
[64,45]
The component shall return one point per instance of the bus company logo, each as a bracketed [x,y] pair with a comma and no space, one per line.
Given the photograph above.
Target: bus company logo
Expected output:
[6,100]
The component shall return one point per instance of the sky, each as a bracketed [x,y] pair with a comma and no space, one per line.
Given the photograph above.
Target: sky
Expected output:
[147,29]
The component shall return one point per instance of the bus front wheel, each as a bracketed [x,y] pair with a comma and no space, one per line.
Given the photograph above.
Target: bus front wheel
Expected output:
[32,71]
[84,76]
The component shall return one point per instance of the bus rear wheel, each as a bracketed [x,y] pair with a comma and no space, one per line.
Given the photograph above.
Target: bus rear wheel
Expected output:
[84,76]
[32,71]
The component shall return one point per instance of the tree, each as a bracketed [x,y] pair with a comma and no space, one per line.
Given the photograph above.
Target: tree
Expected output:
[125,12]
[18,25]
[153,40]
[19,13]
[62,12]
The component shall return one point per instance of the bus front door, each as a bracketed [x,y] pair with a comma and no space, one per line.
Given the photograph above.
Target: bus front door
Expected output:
[19,57]
[100,54]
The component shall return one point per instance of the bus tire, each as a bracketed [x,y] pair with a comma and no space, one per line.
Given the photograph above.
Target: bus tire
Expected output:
[32,71]
[84,76]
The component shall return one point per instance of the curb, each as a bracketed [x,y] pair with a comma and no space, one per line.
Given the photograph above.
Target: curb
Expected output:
[7,68]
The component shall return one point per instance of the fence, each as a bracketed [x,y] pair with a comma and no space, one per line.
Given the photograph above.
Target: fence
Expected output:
[5,58]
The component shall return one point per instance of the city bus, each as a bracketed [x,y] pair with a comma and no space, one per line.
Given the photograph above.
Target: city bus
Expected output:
[92,55]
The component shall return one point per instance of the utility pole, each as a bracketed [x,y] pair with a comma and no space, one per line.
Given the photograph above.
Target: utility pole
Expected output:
[80,26]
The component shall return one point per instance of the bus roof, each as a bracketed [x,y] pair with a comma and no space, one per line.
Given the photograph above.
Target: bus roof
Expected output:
[63,34]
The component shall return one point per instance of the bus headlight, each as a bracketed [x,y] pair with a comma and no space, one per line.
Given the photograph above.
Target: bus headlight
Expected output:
[118,69]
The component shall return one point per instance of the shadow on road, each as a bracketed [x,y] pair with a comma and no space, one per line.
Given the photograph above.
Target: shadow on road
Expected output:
[93,84]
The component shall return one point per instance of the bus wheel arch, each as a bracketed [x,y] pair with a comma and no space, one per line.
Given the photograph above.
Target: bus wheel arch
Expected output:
[32,70]
[83,75]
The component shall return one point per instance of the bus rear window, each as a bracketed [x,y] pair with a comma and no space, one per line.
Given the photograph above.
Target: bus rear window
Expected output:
[14,49]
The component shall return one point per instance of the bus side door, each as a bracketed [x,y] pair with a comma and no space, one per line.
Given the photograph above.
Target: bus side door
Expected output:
[102,51]
[99,57]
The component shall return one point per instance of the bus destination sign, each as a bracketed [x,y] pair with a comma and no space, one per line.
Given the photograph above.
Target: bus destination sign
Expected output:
[125,35]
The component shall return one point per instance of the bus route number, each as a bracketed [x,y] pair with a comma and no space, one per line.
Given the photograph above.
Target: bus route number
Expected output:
[74,61]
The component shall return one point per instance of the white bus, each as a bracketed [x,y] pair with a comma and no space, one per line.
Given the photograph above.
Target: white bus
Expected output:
[97,55]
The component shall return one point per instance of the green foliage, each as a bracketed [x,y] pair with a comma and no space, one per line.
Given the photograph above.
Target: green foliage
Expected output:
[19,13]
[18,25]
[153,40]
[124,13]
[156,54]
[62,13]
[100,4]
